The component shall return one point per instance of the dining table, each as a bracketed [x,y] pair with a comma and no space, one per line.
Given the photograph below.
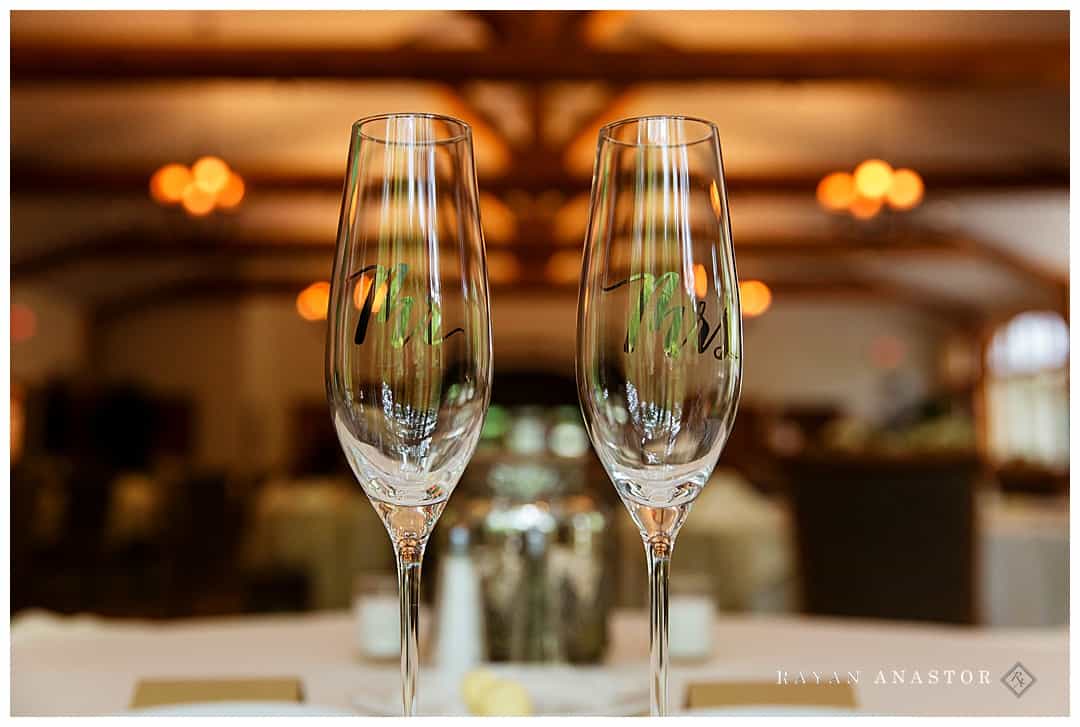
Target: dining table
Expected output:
[86,665]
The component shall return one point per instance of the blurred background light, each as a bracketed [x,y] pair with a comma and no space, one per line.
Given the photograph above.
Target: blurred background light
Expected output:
[23,323]
[498,220]
[313,301]
[210,173]
[906,190]
[196,201]
[232,193]
[564,267]
[568,439]
[863,208]
[18,422]
[872,178]
[755,297]
[360,291]
[701,281]
[714,199]
[169,182]
[873,184]
[209,184]
[503,267]
[836,191]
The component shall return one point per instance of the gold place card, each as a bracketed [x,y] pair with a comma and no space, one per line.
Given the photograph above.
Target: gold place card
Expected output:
[158,692]
[738,694]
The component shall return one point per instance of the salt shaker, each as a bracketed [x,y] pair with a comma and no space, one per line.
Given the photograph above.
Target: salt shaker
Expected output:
[460,641]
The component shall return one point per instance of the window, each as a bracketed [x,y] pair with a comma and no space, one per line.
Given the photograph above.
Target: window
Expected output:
[1027,391]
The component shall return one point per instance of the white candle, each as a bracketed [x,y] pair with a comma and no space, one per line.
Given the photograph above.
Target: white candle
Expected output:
[377,625]
[690,620]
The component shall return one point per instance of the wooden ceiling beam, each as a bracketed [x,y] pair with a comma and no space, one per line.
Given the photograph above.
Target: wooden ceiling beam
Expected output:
[29,179]
[929,303]
[131,250]
[998,63]
[553,27]
[230,288]
[182,291]
[532,252]
[1015,263]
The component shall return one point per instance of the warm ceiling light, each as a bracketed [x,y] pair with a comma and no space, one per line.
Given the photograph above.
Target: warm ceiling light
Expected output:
[701,281]
[313,301]
[168,183]
[754,297]
[836,191]
[23,323]
[360,291]
[863,208]
[232,193]
[503,267]
[873,178]
[210,173]
[564,267]
[197,201]
[906,190]
[208,184]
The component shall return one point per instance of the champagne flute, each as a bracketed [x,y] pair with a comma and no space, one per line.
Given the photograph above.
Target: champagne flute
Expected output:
[659,348]
[408,352]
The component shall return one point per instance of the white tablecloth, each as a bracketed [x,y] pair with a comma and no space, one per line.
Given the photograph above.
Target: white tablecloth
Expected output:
[89,668]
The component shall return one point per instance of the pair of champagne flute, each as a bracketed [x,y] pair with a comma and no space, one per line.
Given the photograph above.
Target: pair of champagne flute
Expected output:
[408,354]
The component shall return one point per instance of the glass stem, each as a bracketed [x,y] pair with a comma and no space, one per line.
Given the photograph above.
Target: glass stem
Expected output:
[410,553]
[658,552]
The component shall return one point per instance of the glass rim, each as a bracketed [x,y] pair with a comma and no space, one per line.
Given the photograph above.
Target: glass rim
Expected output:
[462,135]
[607,129]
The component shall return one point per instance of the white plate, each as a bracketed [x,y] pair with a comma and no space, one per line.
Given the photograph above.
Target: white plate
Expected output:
[240,709]
[555,691]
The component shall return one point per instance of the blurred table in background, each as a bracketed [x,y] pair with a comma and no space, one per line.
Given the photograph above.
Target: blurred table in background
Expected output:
[323,528]
[69,666]
[737,539]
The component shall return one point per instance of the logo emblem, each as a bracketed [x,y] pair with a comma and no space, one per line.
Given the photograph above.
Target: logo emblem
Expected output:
[1018,679]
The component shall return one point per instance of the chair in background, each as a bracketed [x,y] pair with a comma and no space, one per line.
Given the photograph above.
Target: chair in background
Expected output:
[276,590]
[205,523]
[885,537]
[314,446]
[61,572]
